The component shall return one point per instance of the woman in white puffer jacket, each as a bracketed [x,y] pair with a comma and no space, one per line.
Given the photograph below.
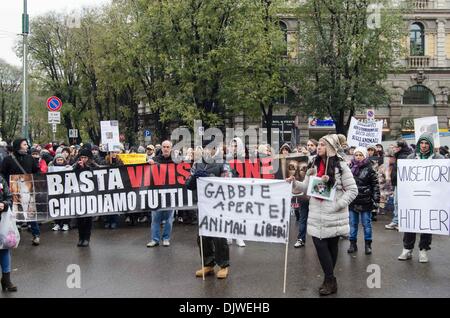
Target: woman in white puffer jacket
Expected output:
[328,220]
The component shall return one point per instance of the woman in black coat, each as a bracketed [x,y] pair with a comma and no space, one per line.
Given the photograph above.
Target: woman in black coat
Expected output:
[5,254]
[368,199]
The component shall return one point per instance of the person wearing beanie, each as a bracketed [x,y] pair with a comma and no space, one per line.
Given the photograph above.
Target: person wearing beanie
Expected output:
[343,144]
[5,254]
[21,162]
[328,219]
[59,163]
[368,199]
[285,150]
[84,163]
[36,154]
[401,151]
[424,150]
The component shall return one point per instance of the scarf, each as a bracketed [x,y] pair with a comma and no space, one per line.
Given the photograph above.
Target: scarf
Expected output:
[321,169]
[357,165]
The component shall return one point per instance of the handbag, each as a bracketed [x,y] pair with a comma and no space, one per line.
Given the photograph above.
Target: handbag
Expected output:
[9,233]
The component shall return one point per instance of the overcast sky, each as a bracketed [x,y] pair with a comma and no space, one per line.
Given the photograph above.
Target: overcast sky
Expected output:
[11,19]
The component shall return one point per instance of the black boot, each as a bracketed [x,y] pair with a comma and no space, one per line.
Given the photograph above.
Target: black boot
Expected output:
[329,287]
[353,247]
[368,247]
[6,283]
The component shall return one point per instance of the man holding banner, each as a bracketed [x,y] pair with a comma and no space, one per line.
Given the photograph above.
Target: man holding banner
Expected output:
[424,150]
[162,216]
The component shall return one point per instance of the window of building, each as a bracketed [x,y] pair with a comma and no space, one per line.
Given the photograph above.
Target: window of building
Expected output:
[418,95]
[283,28]
[417,39]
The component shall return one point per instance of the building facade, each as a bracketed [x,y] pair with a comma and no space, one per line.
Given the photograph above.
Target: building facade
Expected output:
[420,90]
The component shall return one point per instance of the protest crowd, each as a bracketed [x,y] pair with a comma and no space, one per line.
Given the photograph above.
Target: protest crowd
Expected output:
[365,180]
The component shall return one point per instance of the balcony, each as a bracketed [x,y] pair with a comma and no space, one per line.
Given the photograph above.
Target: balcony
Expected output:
[423,4]
[420,62]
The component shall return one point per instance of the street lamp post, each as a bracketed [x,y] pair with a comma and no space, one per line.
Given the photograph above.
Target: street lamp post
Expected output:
[25,31]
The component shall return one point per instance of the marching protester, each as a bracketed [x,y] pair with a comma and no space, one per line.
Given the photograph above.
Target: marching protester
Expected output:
[3,151]
[20,162]
[237,151]
[402,151]
[424,151]
[59,163]
[368,198]
[36,154]
[328,219]
[285,150]
[312,147]
[162,216]
[303,212]
[112,160]
[5,254]
[150,152]
[215,249]
[95,155]
[85,162]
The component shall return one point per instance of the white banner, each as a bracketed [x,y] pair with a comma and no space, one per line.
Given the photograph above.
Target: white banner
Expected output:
[423,190]
[110,134]
[364,134]
[430,125]
[248,209]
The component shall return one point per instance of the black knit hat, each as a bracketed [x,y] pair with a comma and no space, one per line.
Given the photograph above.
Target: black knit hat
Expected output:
[85,152]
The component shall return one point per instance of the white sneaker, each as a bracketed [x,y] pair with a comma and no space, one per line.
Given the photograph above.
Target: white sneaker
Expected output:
[152,244]
[299,243]
[56,227]
[127,220]
[230,241]
[240,242]
[166,243]
[142,219]
[391,226]
[423,258]
[405,255]
[65,227]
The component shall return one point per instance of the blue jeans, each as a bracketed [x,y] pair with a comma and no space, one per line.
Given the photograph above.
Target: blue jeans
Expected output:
[157,217]
[366,220]
[112,219]
[5,261]
[35,229]
[395,218]
[303,220]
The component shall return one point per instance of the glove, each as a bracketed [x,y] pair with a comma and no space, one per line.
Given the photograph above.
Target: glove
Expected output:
[200,173]
[311,171]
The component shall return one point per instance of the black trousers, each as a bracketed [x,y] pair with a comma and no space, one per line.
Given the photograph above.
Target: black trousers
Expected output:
[84,228]
[327,251]
[409,239]
[215,251]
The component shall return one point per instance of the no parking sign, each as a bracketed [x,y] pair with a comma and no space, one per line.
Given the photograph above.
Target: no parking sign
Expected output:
[54,104]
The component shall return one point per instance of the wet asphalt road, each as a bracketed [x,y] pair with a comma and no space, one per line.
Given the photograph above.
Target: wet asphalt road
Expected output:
[118,264]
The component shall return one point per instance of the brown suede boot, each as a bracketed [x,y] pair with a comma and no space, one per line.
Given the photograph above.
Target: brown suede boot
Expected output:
[207,270]
[222,273]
